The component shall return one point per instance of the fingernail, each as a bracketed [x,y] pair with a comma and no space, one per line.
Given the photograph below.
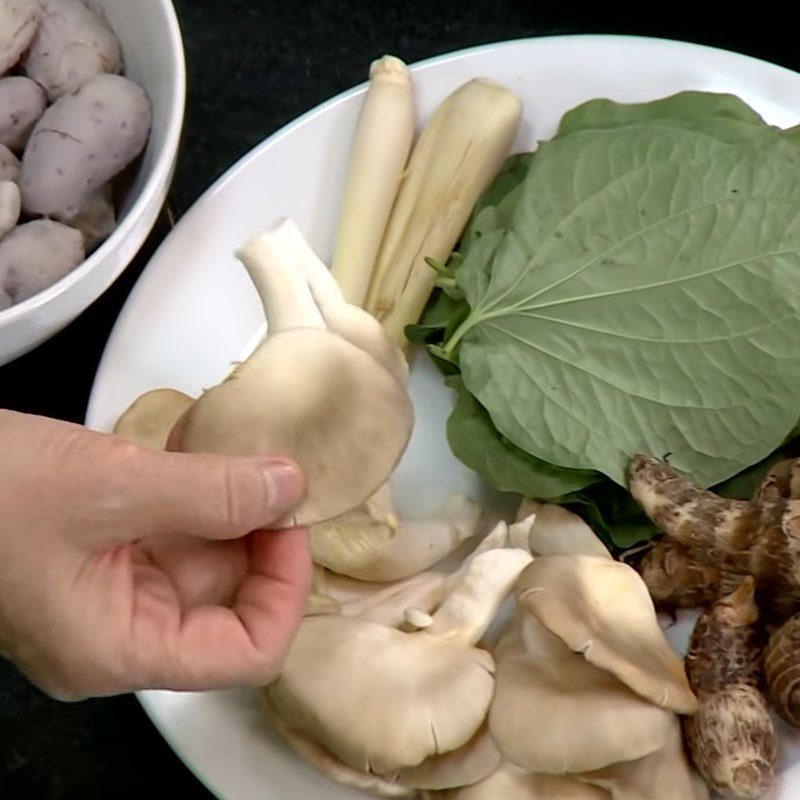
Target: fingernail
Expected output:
[285,487]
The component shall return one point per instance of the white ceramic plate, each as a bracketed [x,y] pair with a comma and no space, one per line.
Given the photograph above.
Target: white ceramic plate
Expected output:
[194,311]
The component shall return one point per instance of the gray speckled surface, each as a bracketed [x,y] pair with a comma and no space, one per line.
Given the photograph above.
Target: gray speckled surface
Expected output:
[253,66]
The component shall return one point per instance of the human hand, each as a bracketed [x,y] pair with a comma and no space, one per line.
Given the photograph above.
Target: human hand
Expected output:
[123,568]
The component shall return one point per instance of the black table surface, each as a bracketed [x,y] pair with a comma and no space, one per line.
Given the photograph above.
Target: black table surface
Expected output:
[253,66]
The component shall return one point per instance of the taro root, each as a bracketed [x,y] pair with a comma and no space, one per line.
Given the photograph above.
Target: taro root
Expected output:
[782,670]
[731,738]
[711,541]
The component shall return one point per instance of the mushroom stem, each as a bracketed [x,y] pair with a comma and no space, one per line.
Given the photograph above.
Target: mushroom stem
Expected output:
[496,539]
[417,619]
[557,531]
[271,260]
[519,534]
[350,321]
[388,606]
[320,280]
[469,609]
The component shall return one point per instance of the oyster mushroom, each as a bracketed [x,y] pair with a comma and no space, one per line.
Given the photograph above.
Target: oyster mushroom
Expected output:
[378,547]
[663,775]
[327,764]
[601,609]
[557,531]
[554,712]
[467,765]
[149,420]
[382,700]
[306,392]
[509,782]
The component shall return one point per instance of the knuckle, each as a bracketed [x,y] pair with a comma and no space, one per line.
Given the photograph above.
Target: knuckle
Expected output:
[238,499]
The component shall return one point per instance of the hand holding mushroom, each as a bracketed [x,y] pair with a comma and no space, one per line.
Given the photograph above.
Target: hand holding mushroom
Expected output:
[122,568]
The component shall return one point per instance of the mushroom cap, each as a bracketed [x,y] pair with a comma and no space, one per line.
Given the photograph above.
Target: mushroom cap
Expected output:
[326,763]
[312,396]
[509,782]
[150,418]
[473,762]
[602,609]
[379,699]
[663,775]
[560,716]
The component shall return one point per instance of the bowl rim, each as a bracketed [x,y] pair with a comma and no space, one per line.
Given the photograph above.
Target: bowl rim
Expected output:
[164,163]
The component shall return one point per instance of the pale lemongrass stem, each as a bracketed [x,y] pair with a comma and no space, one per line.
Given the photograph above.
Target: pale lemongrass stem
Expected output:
[459,153]
[381,145]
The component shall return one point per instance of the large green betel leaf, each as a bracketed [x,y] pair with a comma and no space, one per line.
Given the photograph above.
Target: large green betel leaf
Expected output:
[644,297]
[475,442]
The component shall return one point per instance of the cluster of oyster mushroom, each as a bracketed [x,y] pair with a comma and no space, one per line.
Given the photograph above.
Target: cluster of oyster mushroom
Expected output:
[536,669]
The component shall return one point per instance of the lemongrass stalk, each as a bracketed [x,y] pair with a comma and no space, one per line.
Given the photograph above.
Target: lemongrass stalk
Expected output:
[380,150]
[458,155]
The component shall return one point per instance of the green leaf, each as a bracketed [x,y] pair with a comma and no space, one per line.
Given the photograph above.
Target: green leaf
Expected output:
[446,364]
[474,441]
[512,174]
[496,205]
[643,296]
[682,107]
[744,485]
[442,316]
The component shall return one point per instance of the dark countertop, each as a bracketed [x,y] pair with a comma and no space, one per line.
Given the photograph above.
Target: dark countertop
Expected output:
[253,66]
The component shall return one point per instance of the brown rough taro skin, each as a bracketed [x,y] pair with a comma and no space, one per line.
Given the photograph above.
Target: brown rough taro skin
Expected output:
[710,542]
[731,739]
[782,670]
[676,579]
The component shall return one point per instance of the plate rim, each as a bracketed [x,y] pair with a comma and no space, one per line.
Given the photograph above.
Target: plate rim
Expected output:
[146,698]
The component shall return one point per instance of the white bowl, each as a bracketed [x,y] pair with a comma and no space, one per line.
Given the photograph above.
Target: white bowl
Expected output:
[154,58]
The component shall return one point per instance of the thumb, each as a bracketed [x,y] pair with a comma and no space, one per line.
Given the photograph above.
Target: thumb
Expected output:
[207,496]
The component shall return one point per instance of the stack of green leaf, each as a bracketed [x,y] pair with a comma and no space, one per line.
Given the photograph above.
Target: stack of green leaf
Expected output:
[632,286]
